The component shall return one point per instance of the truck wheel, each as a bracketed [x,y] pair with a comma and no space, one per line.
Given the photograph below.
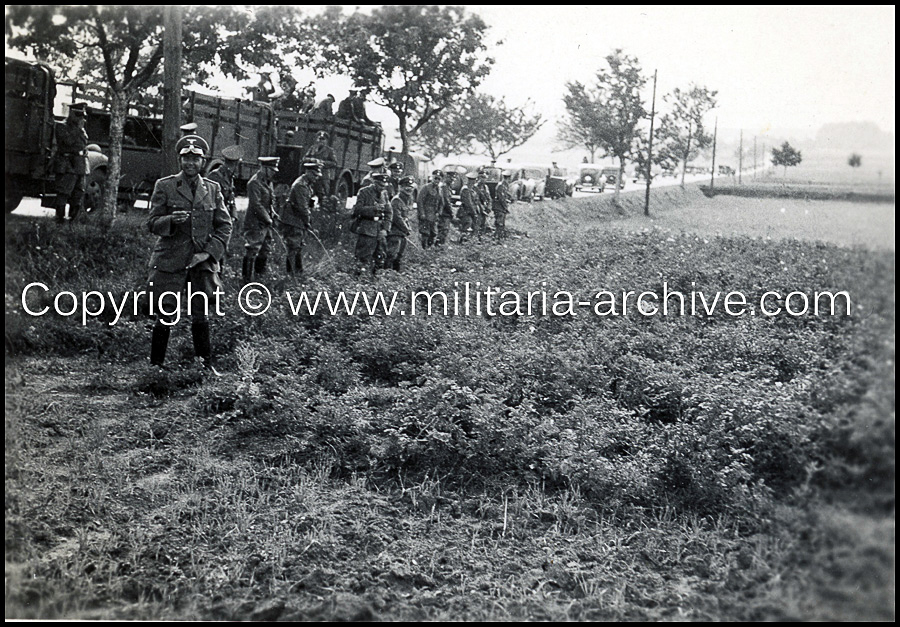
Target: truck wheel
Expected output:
[13,198]
[342,192]
[93,195]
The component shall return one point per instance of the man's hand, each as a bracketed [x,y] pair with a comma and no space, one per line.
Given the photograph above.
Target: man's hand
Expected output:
[180,217]
[199,258]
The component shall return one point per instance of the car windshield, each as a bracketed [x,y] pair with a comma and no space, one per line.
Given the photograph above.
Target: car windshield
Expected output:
[534,173]
[610,171]
[593,171]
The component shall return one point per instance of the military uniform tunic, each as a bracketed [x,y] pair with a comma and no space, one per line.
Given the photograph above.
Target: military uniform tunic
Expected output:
[260,216]
[206,230]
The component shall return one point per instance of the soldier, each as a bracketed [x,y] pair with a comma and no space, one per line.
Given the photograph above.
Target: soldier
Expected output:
[188,214]
[446,215]
[70,166]
[373,211]
[375,165]
[468,212]
[323,153]
[430,204]
[324,107]
[358,102]
[396,169]
[399,231]
[345,108]
[502,199]
[484,202]
[259,219]
[224,176]
[295,218]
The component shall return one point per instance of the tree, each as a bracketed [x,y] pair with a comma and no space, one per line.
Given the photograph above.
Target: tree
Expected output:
[854,161]
[582,124]
[682,127]
[786,156]
[481,123]
[121,47]
[613,108]
[418,60]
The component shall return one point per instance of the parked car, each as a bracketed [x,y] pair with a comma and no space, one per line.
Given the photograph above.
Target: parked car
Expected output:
[726,170]
[610,174]
[590,178]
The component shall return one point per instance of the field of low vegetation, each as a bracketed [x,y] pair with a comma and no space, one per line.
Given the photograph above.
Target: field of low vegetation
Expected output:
[374,467]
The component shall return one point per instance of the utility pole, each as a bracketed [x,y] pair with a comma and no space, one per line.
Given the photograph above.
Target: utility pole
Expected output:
[740,156]
[171,86]
[650,149]
[754,156]
[712,177]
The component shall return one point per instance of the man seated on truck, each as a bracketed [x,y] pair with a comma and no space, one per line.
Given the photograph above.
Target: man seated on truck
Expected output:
[345,108]
[70,166]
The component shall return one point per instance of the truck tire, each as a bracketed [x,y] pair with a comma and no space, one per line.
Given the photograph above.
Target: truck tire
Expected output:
[342,192]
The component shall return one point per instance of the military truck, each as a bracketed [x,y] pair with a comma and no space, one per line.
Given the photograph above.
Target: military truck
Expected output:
[259,129]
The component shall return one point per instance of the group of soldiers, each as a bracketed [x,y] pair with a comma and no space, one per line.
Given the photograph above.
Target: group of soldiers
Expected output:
[435,207]
[194,218]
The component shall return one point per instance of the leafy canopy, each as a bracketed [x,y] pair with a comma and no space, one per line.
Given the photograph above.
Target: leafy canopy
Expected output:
[481,123]
[786,156]
[417,59]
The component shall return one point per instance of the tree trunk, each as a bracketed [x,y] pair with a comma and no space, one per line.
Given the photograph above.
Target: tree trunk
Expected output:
[118,111]
[687,154]
[404,137]
[619,180]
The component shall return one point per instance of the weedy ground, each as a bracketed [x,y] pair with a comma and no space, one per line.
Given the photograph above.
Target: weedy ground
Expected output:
[465,468]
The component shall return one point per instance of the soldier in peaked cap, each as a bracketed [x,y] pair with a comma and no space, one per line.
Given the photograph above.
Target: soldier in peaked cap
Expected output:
[372,214]
[260,218]
[324,153]
[295,218]
[188,214]
[401,204]
[468,211]
[429,205]
[224,176]
[375,165]
[502,199]
[396,171]
[69,164]
[484,202]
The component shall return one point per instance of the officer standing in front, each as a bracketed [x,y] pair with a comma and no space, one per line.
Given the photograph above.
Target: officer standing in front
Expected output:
[373,214]
[188,214]
[259,219]
[70,166]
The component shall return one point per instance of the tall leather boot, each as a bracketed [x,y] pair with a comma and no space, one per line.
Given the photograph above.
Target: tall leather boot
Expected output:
[247,269]
[200,333]
[396,265]
[259,266]
[298,262]
[61,208]
[159,343]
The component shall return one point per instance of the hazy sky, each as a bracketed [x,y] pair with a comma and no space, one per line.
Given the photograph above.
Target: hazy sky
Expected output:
[792,68]
[785,67]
